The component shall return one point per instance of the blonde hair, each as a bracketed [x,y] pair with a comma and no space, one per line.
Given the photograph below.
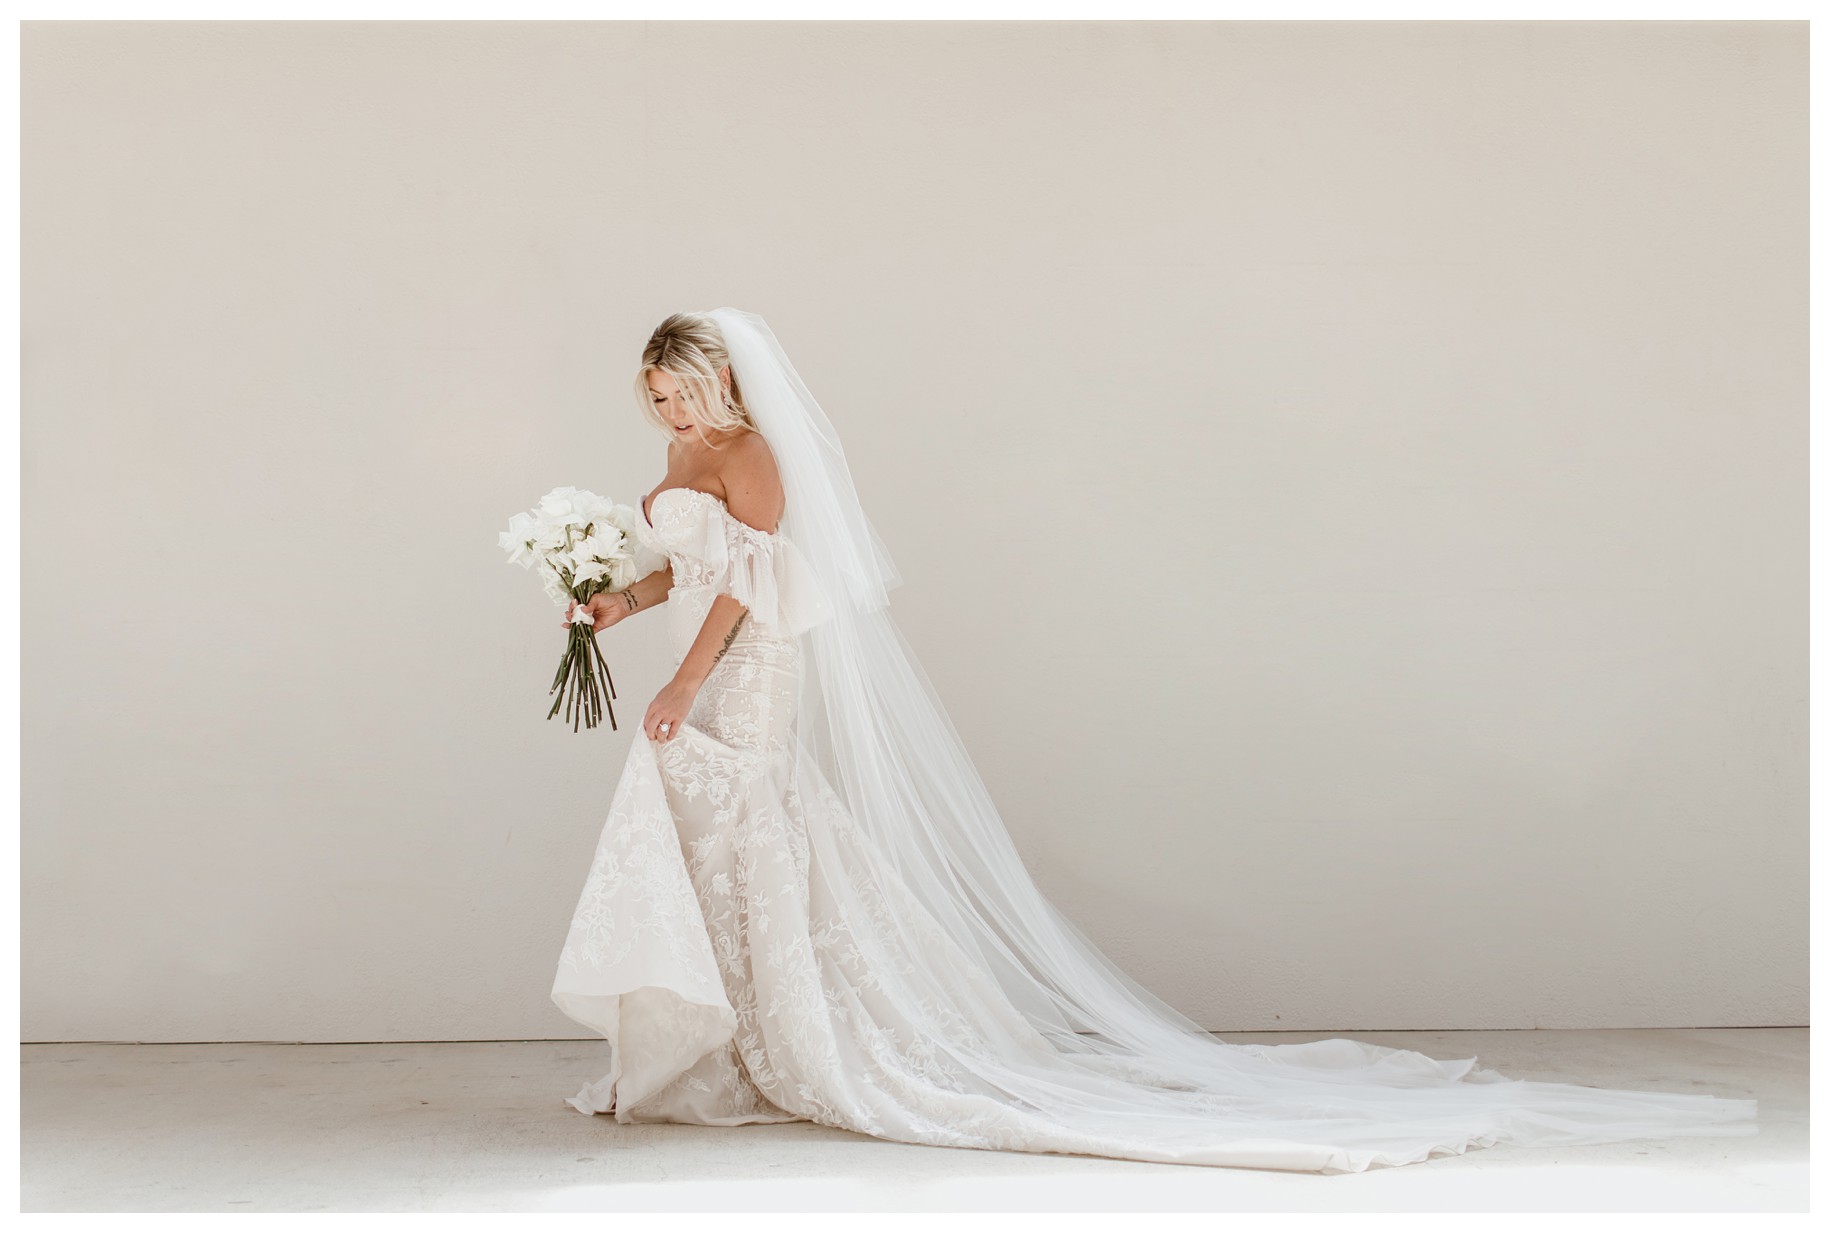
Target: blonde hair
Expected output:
[689,347]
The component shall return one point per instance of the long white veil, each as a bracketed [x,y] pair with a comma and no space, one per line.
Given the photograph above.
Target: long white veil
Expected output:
[874,725]
[878,730]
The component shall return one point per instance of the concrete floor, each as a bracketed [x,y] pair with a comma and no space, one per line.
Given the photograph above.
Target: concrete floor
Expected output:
[482,1127]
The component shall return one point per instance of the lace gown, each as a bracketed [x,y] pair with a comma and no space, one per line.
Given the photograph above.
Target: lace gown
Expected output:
[749,956]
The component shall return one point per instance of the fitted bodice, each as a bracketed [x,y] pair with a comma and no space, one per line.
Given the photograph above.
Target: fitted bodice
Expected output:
[714,552]
[696,530]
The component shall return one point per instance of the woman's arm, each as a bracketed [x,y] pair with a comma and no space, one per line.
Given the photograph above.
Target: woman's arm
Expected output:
[675,700]
[715,637]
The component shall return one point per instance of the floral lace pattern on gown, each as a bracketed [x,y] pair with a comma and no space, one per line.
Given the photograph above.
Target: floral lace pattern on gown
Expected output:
[708,944]
[750,957]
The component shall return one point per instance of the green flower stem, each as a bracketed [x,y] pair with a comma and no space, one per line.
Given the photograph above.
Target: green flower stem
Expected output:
[571,690]
[603,667]
[587,694]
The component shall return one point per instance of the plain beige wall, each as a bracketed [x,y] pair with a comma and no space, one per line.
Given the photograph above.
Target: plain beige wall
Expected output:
[1350,480]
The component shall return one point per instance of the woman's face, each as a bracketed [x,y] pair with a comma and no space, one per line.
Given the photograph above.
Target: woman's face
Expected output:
[664,392]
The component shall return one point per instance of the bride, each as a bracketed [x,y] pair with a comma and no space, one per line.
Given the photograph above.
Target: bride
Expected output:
[804,905]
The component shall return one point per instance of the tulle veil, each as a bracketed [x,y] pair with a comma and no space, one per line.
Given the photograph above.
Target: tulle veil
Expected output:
[873,724]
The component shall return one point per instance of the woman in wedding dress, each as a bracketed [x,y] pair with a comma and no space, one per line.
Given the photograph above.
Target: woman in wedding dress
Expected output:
[804,906]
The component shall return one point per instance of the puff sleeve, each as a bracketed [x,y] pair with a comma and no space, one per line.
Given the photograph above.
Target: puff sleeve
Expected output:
[646,553]
[647,558]
[765,573]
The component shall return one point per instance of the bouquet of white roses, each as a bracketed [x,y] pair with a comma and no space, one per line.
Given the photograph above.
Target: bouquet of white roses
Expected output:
[581,545]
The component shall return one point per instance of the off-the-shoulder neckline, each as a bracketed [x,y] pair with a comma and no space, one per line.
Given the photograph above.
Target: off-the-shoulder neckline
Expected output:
[715,500]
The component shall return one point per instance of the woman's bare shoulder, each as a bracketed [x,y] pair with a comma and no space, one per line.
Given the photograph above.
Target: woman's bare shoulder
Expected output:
[752,484]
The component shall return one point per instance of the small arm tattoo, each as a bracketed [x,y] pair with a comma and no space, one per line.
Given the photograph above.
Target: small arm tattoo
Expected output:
[730,637]
[630,599]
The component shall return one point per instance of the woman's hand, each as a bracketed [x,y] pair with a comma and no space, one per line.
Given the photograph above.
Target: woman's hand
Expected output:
[606,609]
[669,708]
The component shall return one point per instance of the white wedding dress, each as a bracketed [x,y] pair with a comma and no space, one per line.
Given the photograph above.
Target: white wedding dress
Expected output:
[751,956]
